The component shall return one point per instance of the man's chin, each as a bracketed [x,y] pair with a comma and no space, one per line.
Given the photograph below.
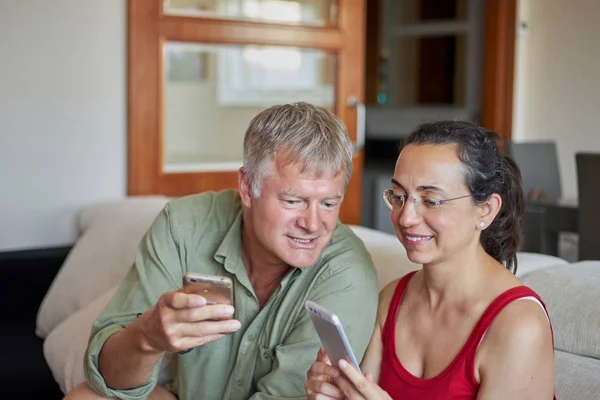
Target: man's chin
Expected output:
[304,261]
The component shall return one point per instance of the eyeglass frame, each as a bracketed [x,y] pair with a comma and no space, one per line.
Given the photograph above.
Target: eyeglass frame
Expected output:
[415,202]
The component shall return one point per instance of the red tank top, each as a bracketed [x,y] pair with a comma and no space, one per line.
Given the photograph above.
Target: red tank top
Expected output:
[457,381]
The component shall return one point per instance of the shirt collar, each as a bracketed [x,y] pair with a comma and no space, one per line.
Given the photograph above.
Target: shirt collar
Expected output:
[229,253]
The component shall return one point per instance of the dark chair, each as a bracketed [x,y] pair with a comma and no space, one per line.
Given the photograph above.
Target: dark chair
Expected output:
[538,162]
[588,181]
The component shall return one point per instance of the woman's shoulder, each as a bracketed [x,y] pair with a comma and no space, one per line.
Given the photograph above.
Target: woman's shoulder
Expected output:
[386,295]
[520,326]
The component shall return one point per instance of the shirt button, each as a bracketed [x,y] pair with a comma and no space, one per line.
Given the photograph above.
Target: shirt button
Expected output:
[266,354]
[248,293]
[252,336]
[239,382]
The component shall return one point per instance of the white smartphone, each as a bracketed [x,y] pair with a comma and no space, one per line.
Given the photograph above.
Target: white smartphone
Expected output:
[332,334]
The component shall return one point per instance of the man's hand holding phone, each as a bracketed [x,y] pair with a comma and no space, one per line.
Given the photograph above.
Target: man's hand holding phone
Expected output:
[183,320]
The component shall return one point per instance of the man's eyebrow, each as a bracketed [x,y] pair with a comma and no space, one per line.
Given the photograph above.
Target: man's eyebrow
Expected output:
[293,193]
[335,196]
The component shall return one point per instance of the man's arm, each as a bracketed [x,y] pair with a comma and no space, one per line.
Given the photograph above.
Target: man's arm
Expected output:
[352,296]
[148,279]
[124,351]
[517,355]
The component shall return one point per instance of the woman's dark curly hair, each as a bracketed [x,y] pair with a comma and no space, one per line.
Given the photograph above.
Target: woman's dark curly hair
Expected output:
[487,172]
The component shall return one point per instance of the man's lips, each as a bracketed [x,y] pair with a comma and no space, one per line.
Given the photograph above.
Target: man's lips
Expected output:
[302,242]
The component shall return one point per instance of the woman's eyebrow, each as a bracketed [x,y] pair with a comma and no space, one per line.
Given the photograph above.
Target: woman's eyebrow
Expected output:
[421,188]
[395,182]
[434,188]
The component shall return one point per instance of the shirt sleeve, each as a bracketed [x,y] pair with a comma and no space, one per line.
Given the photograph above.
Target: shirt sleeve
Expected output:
[156,270]
[351,292]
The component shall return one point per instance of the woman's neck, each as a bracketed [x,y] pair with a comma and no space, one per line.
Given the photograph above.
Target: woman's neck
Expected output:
[456,280]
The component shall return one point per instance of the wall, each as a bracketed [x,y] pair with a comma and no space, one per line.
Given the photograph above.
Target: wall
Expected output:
[62,115]
[557,83]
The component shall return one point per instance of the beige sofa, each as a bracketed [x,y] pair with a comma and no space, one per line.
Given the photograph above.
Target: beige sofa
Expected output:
[109,233]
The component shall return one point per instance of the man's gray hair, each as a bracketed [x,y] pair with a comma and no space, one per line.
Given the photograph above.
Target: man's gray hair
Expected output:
[309,135]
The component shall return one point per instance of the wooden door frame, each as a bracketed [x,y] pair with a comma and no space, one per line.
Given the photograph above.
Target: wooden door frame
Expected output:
[148,29]
[499,67]
[498,63]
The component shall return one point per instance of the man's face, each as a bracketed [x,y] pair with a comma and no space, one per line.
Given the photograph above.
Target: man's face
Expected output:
[294,217]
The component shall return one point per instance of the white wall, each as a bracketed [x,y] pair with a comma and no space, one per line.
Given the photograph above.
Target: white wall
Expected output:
[62,115]
[557,82]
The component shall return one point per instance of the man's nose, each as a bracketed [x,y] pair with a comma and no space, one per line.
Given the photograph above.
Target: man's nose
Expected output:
[310,218]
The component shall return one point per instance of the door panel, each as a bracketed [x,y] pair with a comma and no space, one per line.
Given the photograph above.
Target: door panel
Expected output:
[306,12]
[165,156]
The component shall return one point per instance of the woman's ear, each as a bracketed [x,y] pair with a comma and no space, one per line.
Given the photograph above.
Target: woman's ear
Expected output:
[489,210]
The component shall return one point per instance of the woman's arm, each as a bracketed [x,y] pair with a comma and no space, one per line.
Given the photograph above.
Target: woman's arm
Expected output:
[516,358]
[371,362]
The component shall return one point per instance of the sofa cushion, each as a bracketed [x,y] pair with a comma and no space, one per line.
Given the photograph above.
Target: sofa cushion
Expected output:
[529,262]
[99,260]
[577,377]
[65,346]
[388,254]
[571,295]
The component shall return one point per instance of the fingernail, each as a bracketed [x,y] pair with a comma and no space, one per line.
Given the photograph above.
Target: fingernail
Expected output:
[199,301]
[235,325]
[343,364]
[227,310]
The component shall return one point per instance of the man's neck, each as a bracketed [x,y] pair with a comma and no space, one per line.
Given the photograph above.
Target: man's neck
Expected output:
[264,275]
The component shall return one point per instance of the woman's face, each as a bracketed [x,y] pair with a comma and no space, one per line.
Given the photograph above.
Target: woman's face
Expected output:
[430,230]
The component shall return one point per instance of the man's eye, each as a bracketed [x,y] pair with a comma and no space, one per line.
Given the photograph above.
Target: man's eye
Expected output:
[330,206]
[292,202]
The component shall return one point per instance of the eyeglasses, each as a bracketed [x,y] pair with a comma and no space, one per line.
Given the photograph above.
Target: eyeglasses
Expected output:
[396,202]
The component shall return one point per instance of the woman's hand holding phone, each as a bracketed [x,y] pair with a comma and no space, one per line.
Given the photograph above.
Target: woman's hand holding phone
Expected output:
[324,381]
[321,378]
[180,321]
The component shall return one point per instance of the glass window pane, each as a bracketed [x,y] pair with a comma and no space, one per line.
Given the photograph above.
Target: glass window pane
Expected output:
[306,12]
[211,92]
[430,71]
[416,11]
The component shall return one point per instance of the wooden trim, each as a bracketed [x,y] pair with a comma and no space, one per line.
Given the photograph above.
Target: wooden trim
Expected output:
[352,77]
[499,65]
[181,184]
[210,30]
[143,100]
[372,51]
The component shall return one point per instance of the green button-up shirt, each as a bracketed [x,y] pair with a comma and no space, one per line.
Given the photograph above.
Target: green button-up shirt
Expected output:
[269,356]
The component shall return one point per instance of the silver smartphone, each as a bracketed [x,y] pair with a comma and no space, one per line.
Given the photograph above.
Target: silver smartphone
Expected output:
[215,289]
[332,334]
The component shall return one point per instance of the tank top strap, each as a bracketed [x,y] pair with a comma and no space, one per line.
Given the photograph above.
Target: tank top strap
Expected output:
[488,316]
[390,319]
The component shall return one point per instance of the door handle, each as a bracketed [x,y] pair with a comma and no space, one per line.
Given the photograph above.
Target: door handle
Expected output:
[353,102]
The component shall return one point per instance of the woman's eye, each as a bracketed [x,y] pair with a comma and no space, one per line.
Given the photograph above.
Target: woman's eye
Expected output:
[431,202]
[398,198]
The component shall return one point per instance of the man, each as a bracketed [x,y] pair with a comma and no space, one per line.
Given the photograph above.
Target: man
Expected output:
[278,238]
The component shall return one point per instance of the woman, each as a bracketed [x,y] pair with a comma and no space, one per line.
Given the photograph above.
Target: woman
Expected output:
[462,327]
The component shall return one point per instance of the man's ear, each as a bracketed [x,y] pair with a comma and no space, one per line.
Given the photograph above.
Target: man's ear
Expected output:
[489,210]
[244,188]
